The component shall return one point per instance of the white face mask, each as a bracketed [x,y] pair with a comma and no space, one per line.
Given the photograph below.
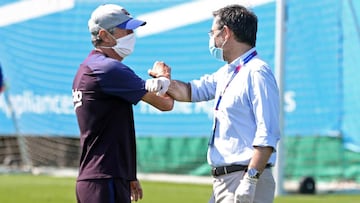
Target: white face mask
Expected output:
[125,45]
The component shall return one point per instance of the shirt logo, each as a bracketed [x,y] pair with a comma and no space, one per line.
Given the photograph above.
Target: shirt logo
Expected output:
[77,98]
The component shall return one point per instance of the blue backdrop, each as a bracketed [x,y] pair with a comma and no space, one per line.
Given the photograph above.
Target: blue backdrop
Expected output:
[40,54]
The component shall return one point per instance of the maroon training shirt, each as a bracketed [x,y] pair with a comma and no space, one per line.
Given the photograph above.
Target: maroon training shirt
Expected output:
[104,92]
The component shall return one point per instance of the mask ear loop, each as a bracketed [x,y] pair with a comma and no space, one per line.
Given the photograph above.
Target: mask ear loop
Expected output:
[107,47]
[222,45]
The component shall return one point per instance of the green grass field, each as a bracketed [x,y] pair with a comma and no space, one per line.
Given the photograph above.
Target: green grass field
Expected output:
[44,189]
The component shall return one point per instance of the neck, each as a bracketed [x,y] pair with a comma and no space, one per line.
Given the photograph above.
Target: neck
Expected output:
[108,51]
[237,50]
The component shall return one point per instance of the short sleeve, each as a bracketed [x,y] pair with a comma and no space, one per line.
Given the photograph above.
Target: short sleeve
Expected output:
[121,81]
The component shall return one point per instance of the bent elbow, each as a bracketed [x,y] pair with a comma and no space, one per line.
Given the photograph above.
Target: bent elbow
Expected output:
[168,107]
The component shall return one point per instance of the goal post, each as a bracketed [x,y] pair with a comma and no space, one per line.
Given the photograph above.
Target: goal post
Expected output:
[279,73]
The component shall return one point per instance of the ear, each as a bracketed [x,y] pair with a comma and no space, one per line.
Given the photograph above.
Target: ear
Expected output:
[227,32]
[105,36]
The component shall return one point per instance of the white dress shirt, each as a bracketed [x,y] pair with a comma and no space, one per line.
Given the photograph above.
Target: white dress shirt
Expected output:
[248,112]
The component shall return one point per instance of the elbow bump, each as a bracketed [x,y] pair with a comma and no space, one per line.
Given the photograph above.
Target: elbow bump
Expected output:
[167,107]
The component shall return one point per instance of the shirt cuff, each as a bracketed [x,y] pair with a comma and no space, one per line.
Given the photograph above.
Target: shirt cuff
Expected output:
[265,140]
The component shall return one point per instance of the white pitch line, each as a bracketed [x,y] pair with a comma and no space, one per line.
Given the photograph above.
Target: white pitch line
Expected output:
[186,14]
[29,9]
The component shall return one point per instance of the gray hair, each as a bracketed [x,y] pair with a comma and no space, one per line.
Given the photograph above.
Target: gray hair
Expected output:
[95,38]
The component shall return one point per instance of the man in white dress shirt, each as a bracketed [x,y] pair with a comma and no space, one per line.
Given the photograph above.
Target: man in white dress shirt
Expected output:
[245,131]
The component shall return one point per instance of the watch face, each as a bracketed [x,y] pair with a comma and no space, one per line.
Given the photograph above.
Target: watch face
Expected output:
[253,173]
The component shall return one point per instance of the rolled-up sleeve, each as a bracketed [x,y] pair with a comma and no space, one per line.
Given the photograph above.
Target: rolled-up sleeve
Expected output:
[264,95]
[203,89]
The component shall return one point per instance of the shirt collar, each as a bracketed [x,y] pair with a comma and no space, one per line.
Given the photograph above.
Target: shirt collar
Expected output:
[239,60]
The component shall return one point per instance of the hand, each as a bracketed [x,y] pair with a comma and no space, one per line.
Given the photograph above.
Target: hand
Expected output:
[160,69]
[136,191]
[159,85]
[245,192]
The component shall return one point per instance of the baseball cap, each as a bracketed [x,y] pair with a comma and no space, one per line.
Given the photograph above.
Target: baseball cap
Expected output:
[107,16]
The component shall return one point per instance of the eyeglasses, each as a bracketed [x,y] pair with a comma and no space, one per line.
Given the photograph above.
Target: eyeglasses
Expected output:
[211,32]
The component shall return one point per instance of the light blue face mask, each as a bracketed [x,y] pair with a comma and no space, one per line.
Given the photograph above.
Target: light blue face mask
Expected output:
[215,51]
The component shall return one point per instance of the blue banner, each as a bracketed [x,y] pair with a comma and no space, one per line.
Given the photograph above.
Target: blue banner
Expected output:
[313,68]
[351,74]
[41,51]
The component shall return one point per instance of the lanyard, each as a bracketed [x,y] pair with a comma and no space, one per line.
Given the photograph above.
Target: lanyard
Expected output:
[237,69]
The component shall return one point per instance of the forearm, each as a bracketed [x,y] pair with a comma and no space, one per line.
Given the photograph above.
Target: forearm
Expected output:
[163,103]
[260,158]
[180,91]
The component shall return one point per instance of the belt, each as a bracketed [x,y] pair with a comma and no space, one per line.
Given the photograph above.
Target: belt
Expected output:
[222,170]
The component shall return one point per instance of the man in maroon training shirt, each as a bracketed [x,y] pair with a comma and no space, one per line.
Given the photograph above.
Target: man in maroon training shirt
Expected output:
[104,92]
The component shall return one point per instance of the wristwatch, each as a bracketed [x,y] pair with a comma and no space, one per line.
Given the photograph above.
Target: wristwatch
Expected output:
[253,173]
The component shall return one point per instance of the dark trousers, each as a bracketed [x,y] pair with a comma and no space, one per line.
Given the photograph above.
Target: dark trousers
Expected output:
[103,191]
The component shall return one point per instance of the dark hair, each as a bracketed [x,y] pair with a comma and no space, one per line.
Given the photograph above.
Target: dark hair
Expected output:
[240,20]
